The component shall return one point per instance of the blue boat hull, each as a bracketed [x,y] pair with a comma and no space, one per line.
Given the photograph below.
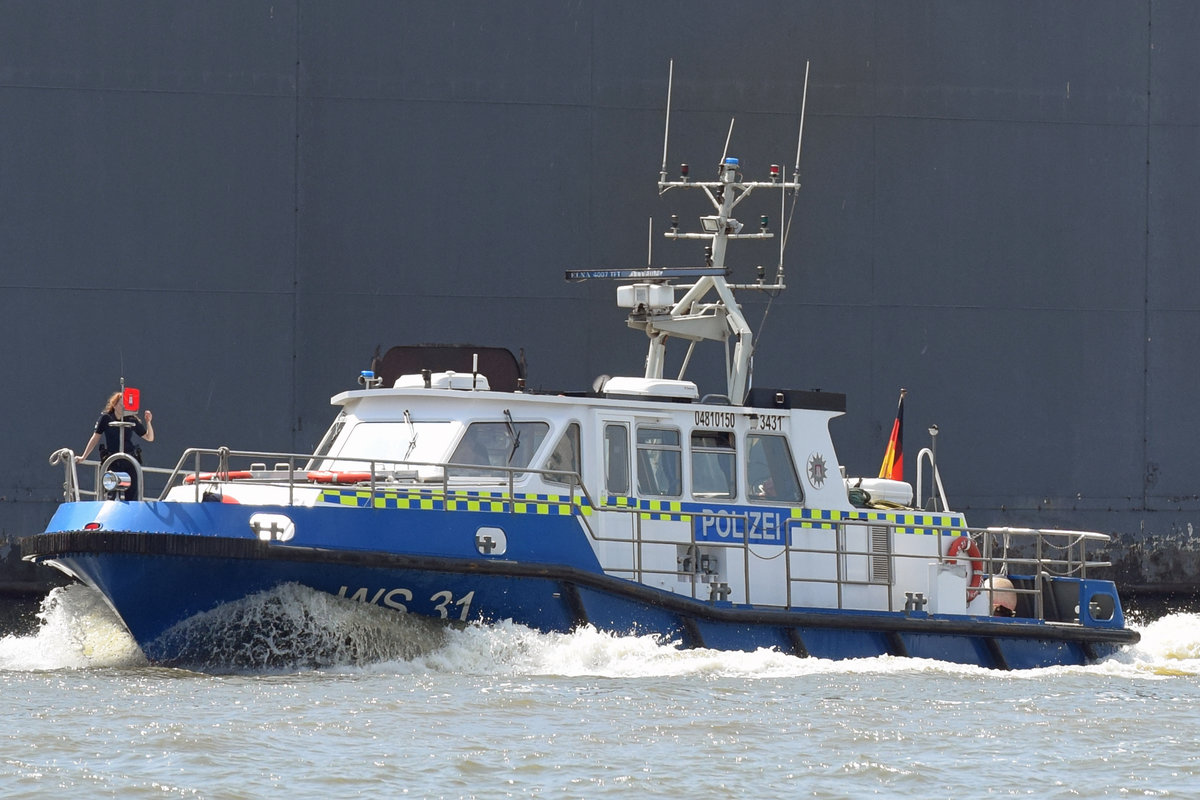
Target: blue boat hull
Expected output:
[157,582]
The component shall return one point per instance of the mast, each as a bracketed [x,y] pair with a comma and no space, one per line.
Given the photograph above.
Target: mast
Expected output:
[708,309]
[691,317]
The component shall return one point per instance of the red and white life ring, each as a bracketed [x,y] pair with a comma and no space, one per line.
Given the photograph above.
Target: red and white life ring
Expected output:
[320,476]
[244,474]
[325,476]
[959,544]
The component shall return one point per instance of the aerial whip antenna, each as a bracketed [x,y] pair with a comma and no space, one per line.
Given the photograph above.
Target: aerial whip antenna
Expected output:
[783,238]
[650,245]
[787,229]
[800,137]
[662,175]
[728,136]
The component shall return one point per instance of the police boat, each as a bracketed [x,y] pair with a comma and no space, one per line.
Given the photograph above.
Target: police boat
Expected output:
[446,488]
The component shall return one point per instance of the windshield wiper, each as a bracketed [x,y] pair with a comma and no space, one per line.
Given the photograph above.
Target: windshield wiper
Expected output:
[412,444]
[512,434]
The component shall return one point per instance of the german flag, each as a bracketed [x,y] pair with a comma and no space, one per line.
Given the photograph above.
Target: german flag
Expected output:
[893,457]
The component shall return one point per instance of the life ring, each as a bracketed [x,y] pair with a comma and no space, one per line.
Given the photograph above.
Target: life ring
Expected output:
[219,476]
[959,544]
[325,476]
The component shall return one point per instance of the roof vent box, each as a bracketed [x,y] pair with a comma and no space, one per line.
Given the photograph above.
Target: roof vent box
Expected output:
[443,380]
[652,389]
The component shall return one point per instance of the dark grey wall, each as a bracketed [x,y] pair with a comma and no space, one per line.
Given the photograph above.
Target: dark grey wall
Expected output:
[232,204]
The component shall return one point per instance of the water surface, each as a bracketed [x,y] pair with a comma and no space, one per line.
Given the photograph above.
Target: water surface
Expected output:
[398,707]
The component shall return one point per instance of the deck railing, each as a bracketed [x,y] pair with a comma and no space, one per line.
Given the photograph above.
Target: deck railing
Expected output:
[210,469]
[1032,556]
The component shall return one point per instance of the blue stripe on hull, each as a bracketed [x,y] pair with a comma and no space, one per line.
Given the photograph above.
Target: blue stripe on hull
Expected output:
[158,580]
[154,592]
[531,538]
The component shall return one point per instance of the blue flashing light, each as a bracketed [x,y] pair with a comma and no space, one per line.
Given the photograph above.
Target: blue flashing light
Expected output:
[367,373]
[732,162]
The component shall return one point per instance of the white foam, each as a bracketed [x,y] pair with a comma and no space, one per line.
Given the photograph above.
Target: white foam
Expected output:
[508,648]
[295,628]
[1170,646]
[77,630]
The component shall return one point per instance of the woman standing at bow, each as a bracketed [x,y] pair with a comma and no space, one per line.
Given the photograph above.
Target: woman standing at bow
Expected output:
[118,429]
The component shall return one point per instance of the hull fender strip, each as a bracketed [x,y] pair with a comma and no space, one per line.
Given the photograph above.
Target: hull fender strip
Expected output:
[570,595]
[998,659]
[798,646]
[691,633]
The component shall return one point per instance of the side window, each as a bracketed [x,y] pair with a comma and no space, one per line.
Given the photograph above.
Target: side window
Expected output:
[659,459]
[564,458]
[498,445]
[770,474]
[714,459]
[616,459]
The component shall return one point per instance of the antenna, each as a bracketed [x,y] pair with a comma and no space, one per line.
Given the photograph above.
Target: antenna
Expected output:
[800,137]
[783,238]
[787,229]
[662,175]
[728,136]
[650,245]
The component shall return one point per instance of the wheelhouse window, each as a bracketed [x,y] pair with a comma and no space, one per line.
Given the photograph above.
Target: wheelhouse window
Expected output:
[392,445]
[616,459]
[497,445]
[660,458]
[396,444]
[770,472]
[330,436]
[564,458]
[714,460]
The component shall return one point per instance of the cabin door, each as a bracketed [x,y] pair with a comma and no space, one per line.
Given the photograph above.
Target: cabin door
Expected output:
[616,515]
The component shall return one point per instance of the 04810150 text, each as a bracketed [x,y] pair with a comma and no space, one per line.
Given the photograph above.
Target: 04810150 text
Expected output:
[441,603]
